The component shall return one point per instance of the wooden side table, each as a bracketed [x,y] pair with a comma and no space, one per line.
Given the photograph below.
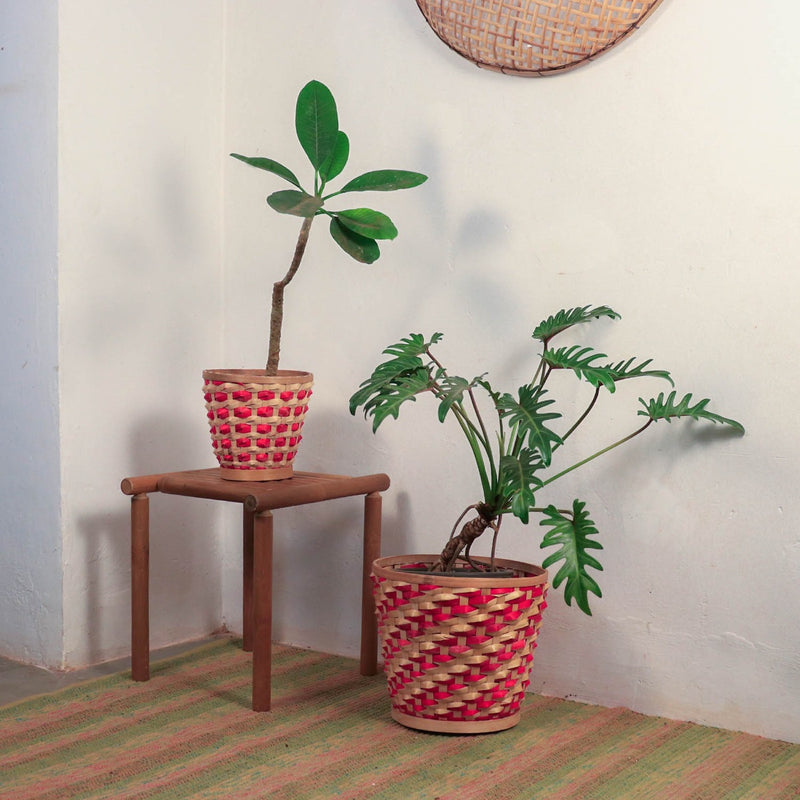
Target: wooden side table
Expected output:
[258,501]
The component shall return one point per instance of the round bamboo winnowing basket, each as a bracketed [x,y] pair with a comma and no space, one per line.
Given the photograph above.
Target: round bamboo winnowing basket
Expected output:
[256,420]
[457,651]
[523,37]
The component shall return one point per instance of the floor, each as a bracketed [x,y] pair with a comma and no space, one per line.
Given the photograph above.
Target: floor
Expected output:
[18,681]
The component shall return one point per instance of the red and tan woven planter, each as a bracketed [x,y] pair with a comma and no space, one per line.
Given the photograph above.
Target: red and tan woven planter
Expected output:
[256,421]
[457,651]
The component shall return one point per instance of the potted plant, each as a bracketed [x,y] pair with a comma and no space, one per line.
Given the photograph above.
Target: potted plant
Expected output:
[457,641]
[255,416]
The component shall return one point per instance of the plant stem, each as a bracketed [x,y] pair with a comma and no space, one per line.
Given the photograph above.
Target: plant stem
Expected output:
[582,416]
[276,317]
[597,454]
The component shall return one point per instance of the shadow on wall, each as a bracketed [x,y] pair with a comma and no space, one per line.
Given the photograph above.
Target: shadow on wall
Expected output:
[185,575]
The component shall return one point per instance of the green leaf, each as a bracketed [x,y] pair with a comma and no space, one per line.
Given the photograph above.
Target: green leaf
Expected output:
[367,222]
[299,204]
[384,375]
[453,388]
[391,385]
[397,380]
[527,414]
[570,533]
[415,344]
[384,180]
[625,370]
[270,166]
[335,163]
[667,409]
[581,361]
[316,122]
[358,247]
[563,320]
[517,481]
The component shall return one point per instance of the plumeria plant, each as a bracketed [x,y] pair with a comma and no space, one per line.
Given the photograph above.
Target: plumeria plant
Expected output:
[517,458]
[355,230]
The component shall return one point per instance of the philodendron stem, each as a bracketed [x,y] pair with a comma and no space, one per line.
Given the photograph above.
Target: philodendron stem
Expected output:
[276,317]
[597,454]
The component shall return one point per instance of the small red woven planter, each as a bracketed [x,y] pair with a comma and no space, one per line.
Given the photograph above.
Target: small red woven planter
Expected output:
[457,651]
[256,420]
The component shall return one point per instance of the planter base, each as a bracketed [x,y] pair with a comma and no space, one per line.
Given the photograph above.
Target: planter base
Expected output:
[458,727]
[274,474]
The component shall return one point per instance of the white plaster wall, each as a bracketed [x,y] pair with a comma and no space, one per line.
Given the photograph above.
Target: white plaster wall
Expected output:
[140,122]
[661,180]
[30,526]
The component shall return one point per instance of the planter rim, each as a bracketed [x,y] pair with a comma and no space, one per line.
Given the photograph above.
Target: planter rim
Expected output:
[255,375]
[387,567]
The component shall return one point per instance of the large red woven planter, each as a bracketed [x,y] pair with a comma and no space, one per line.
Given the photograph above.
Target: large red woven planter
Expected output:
[256,421]
[457,651]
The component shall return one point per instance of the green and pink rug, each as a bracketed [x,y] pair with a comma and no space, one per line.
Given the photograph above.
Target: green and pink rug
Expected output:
[189,733]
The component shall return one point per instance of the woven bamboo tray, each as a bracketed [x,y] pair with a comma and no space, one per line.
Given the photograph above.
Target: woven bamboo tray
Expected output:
[457,651]
[519,37]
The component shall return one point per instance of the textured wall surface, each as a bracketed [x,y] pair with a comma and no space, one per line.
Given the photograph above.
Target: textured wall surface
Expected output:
[140,236]
[30,516]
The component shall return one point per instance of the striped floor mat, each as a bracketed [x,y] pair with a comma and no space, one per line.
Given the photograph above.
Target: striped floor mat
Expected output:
[189,733]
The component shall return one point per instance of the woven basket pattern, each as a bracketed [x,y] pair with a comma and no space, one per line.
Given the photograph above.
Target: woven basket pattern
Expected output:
[458,653]
[256,425]
[533,38]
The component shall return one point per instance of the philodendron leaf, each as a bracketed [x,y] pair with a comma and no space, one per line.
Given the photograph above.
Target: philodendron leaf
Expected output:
[382,395]
[518,479]
[397,380]
[668,409]
[581,361]
[570,533]
[337,160]
[453,388]
[299,204]
[316,122]
[384,180]
[367,222]
[627,369]
[415,344]
[528,415]
[356,246]
[565,319]
[270,166]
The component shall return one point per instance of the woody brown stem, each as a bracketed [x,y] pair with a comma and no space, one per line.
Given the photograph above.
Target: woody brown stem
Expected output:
[468,534]
[276,316]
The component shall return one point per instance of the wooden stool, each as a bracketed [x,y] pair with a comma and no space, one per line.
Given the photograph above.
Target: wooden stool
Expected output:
[258,501]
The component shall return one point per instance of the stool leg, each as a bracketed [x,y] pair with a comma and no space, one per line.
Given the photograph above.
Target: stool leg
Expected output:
[262,611]
[247,581]
[372,550]
[140,578]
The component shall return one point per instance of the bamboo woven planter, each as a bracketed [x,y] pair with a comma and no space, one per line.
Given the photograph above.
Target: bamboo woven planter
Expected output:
[457,651]
[256,421]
